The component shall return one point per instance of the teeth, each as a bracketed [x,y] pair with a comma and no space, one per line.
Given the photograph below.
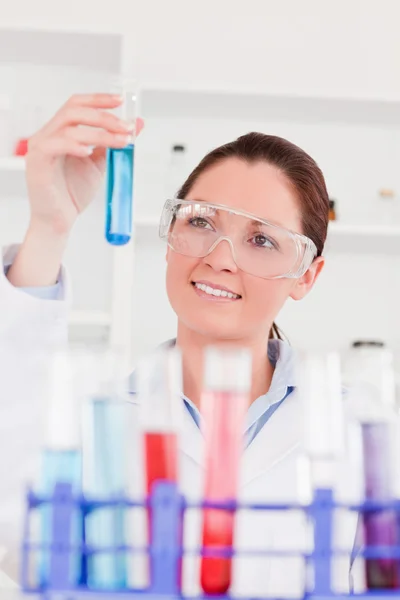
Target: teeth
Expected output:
[215,292]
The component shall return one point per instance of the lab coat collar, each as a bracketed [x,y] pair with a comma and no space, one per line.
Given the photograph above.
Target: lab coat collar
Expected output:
[278,437]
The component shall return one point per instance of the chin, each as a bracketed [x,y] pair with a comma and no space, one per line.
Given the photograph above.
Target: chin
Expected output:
[213,326]
[211,321]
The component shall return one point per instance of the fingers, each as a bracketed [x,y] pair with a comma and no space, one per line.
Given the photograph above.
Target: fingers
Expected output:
[61,146]
[83,123]
[91,117]
[95,100]
[97,137]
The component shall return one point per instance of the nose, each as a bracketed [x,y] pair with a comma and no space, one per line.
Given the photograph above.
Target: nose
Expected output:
[222,256]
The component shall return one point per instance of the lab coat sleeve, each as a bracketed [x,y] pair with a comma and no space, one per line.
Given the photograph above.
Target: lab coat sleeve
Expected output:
[51,292]
[30,329]
[27,319]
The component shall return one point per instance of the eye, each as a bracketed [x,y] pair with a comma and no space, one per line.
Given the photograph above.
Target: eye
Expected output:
[262,241]
[200,223]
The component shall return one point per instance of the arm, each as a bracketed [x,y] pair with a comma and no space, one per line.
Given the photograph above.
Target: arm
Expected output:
[65,165]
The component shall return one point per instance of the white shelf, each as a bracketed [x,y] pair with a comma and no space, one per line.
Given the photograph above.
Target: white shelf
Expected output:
[363,239]
[170,102]
[12,163]
[96,318]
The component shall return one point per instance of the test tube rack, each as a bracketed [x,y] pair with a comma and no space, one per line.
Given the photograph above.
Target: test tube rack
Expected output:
[165,551]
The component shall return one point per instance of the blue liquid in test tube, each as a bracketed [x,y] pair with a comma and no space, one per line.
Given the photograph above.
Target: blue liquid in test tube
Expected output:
[104,455]
[119,192]
[60,466]
[61,462]
[120,173]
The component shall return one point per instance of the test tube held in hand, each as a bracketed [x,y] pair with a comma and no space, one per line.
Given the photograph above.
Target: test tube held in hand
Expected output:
[224,403]
[120,172]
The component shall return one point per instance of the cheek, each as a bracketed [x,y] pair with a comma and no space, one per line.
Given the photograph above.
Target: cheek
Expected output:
[265,297]
[179,269]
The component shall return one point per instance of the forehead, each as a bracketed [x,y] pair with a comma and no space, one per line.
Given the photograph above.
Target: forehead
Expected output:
[258,188]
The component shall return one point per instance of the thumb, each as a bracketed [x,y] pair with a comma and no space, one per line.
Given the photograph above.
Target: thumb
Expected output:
[139,125]
[98,155]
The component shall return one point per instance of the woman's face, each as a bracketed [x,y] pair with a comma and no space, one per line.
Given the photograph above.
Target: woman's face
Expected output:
[262,190]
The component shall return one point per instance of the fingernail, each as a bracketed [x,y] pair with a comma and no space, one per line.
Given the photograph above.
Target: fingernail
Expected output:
[124,139]
[128,126]
[117,97]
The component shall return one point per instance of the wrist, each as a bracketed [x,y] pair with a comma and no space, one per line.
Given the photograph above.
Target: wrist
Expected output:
[38,261]
[52,233]
[45,236]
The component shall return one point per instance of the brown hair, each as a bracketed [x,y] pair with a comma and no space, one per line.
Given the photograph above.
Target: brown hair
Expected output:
[299,168]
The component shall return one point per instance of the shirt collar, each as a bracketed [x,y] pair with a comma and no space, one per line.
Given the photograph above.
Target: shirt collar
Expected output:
[281,357]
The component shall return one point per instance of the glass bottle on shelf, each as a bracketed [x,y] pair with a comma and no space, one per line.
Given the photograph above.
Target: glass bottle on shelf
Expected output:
[332,210]
[388,209]
[176,170]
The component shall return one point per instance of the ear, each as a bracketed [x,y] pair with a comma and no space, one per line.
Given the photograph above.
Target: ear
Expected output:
[306,282]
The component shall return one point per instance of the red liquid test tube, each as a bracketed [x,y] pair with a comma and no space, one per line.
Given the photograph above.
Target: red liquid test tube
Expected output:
[224,404]
[159,384]
[161,456]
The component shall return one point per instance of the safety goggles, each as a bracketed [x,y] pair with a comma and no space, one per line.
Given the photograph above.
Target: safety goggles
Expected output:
[260,248]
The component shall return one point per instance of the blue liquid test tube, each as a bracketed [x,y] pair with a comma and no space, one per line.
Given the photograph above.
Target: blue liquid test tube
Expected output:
[120,176]
[104,436]
[61,461]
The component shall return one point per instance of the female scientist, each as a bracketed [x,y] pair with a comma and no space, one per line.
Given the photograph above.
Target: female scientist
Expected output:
[261,206]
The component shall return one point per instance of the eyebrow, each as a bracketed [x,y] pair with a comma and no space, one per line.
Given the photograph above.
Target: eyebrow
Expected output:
[253,222]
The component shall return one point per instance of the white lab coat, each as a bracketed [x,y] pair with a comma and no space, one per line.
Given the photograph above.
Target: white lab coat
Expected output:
[29,329]
[269,468]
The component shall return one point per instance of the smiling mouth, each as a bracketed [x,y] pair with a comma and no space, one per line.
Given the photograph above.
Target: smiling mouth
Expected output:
[215,291]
